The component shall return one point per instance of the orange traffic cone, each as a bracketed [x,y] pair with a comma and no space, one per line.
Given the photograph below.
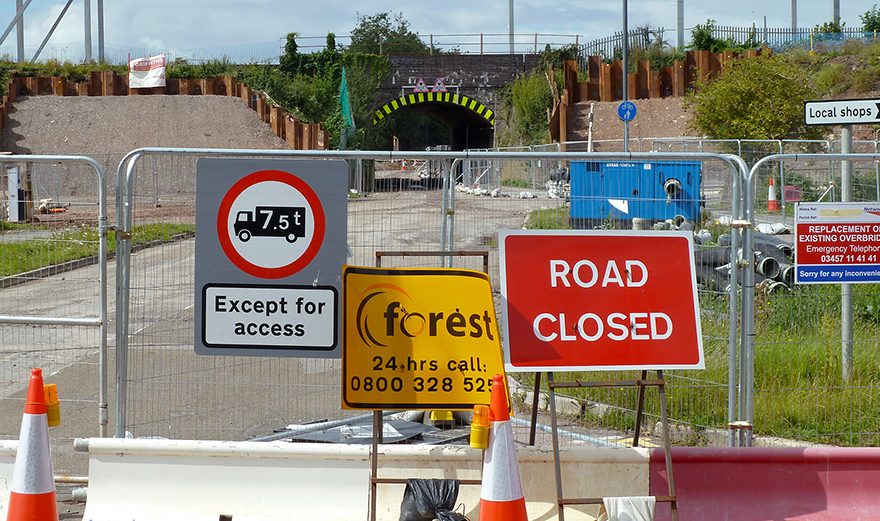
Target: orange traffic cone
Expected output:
[501,498]
[32,492]
[772,204]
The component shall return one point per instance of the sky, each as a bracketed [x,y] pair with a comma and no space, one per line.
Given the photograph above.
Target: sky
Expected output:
[188,24]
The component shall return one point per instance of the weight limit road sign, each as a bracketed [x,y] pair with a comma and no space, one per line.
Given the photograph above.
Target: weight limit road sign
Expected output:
[270,245]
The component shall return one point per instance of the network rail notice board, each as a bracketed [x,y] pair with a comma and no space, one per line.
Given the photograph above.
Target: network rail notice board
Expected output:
[837,243]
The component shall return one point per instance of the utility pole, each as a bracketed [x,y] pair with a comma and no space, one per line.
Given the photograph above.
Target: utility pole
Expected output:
[846,294]
[87,42]
[680,18]
[101,57]
[19,33]
[793,17]
[836,13]
[510,24]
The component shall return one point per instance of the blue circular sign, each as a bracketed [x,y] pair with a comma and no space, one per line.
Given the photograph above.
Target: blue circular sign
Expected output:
[626,111]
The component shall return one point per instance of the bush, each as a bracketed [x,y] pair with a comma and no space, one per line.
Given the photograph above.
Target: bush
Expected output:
[703,39]
[755,98]
[832,79]
[531,98]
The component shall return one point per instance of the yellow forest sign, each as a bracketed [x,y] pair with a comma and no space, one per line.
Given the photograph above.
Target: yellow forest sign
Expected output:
[418,338]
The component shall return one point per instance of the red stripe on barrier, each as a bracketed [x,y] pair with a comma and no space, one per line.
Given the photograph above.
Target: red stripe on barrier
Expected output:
[757,484]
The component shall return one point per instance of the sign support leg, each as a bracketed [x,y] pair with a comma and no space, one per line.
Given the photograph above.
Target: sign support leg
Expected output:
[374,461]
[660,383]
[640,409]
[666,448]
[535,399]
[555,435]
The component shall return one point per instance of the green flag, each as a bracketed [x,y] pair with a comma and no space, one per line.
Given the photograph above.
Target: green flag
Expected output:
[345,108]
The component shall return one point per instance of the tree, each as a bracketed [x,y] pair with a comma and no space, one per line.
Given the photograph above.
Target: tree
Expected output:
[385,33]
[755,98]
[871,19]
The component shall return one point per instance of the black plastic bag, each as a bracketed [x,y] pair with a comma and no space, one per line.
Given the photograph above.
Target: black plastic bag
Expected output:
[430,499]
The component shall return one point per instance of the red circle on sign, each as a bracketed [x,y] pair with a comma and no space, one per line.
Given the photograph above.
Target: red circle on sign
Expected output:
[223,224]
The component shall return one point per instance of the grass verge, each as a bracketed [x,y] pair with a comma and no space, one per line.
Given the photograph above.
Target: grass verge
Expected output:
[74,243]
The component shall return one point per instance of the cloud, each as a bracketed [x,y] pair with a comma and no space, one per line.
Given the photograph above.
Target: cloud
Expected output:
[216,23]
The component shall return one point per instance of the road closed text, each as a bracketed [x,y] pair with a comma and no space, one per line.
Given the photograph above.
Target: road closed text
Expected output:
[269,315]
[590,327]
[600,300]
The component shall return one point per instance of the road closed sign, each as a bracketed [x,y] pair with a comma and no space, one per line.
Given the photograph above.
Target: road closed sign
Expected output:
[599,300]
[270,243]
[418,339]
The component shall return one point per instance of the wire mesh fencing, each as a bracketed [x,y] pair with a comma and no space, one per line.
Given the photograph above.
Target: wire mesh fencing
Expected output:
[172,392]
[800,388]
[52,312]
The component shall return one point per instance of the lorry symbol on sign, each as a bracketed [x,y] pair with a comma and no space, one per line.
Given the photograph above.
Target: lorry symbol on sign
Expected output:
[271,221]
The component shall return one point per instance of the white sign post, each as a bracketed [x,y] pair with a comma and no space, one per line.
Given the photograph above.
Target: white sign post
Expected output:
[13,185]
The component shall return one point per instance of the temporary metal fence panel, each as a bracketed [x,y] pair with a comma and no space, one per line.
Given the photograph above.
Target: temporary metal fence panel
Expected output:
[603,416]
[168,390]
[53,295]
[796,368]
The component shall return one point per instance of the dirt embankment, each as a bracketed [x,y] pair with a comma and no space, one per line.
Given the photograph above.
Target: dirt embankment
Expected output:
[115,125]
[663,117]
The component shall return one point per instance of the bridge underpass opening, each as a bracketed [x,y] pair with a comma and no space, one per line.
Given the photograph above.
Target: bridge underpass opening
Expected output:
[468,122]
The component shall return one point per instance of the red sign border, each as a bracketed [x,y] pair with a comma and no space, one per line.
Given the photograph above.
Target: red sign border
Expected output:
[502,253]
[297,184]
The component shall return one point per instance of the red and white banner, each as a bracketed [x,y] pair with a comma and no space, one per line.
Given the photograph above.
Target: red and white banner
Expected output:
[145,73]
[599,300]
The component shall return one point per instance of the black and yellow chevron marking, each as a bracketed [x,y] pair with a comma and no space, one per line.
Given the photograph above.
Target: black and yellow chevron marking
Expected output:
[435,97]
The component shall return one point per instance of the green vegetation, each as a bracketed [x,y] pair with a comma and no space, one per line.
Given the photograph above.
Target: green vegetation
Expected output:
[830,27]
[549,219]
[74,243]
[755,98]
[702,39]
[530,98]
[385,33]
[871,19]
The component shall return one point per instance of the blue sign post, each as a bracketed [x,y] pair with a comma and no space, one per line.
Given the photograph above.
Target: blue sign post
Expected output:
[626,111]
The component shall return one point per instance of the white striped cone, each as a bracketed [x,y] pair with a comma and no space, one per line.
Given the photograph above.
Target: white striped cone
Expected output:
[32,492]
[501,497]
[772,203]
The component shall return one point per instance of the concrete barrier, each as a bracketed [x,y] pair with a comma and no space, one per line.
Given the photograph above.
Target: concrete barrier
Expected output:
[7,463]
[199,480]
[768,484]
